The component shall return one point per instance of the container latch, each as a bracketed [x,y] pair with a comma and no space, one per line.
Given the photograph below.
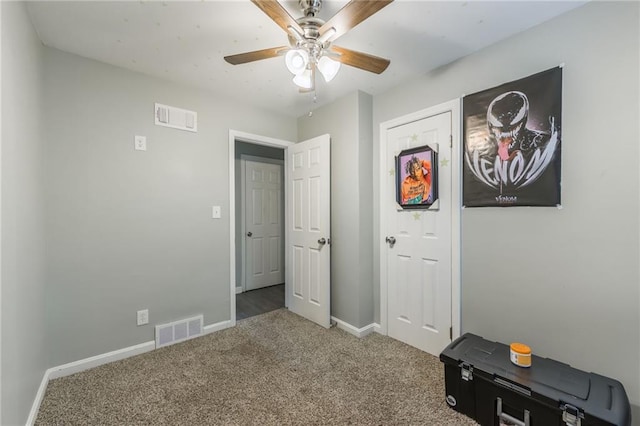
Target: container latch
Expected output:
[571,415]
[466,370]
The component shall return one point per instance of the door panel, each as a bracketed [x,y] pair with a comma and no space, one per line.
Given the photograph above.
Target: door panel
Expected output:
[308,219]
[419,263]
[264,261]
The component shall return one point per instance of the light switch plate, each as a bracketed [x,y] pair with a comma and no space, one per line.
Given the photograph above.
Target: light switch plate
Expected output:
[215,212]
[140,143]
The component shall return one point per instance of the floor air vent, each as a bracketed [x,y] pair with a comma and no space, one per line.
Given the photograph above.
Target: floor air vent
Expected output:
[178,331]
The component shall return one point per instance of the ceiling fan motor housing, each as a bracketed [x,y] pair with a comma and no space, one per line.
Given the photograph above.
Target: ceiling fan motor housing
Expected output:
[311,27]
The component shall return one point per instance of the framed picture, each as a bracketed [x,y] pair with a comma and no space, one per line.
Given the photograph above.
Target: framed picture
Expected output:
[417,177]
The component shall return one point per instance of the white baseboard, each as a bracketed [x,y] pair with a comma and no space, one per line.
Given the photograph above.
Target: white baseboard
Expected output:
[95,361]
[238,290]
[217,327]
[358,332]
[35,407]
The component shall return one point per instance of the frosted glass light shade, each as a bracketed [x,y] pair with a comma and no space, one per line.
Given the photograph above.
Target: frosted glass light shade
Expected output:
[304,79]
[296,60]
[328,68]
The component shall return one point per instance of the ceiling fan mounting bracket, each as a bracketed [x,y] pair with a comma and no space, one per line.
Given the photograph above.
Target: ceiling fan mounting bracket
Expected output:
[310,7]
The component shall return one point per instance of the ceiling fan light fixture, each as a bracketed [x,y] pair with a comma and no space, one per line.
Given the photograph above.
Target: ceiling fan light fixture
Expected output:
[296,61]
[304,79]
[328,68]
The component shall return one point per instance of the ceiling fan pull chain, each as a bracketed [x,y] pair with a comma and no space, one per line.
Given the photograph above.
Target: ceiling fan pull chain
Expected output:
[315,100]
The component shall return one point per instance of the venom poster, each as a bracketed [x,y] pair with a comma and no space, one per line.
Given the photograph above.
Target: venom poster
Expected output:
[512,143]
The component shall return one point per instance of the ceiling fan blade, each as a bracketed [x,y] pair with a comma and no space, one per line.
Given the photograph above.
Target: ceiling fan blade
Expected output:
[243,58]
[351,15]
[279,15]
[360,60]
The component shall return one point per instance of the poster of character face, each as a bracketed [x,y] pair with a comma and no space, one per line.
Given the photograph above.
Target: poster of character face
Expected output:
[416,178]
[512,143]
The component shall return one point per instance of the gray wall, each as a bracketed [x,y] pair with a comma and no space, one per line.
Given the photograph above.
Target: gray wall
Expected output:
[365,216]
[130,230]
[24,354]
[563,280]
[348,121]
[245,148]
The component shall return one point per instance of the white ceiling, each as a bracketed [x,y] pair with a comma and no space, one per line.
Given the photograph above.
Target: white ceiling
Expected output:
[186,41]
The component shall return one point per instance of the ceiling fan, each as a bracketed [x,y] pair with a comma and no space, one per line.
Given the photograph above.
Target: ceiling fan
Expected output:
[310,40]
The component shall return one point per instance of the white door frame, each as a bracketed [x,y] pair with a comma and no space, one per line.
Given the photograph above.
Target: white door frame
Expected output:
[456,187]
[243,226]
[235,135]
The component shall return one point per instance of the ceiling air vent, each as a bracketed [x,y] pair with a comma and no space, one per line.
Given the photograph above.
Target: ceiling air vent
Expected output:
[176,118]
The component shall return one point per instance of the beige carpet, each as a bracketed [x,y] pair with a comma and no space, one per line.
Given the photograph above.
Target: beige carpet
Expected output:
[271,369]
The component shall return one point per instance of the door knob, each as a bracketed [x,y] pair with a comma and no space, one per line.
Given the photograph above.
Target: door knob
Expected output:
[322,241]
[249,234]
[391,240]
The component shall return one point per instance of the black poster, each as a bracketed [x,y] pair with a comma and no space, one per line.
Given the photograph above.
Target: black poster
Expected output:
[512,143]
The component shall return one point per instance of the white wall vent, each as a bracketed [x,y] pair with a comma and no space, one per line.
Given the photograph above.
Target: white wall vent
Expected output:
[178,331]
[176,118]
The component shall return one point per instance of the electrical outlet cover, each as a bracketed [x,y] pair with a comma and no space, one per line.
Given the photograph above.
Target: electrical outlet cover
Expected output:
[140,143]
[143,317]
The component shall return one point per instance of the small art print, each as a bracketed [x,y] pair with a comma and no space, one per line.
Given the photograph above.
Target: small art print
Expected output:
[416,178]
[512,143]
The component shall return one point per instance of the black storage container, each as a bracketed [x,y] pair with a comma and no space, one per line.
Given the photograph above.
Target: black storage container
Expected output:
[483,383]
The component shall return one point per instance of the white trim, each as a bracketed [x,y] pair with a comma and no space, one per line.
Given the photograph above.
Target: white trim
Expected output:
[239,290]
[456,218]
[257,140]
[257,159]
[208,329]
[456,183]
[287,218]
[0,215]
[358,332]
[95,361]
[35,407]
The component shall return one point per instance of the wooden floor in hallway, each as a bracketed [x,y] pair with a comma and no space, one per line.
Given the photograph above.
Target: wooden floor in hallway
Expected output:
[256,302]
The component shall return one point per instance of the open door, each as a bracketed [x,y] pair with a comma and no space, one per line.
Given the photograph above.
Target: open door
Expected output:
[309,229]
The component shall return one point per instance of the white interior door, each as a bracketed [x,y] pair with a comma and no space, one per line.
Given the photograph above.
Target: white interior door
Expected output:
[419,272]
[309,229]
[264,260]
